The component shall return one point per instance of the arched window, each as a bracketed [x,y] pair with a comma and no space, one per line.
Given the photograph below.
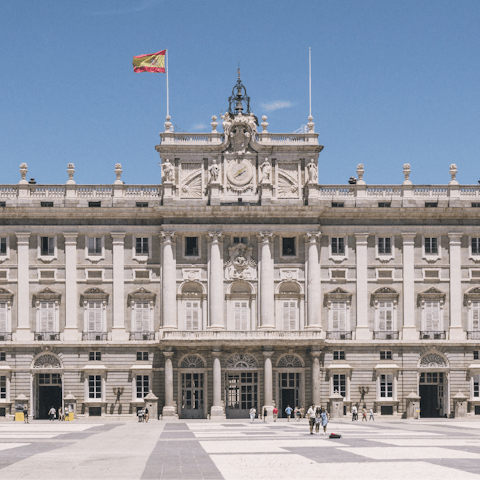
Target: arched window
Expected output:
[289,303]
[192,296]
[141,302]
[239,304]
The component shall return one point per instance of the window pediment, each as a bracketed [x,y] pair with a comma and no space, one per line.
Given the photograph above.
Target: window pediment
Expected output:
[338,295]
[47,295]
[94,293]
[385,294]
[432,294]
[141,295]
[473,295]
[6,295]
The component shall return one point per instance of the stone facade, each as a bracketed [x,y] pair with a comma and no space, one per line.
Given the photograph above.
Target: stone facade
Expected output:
[239,281]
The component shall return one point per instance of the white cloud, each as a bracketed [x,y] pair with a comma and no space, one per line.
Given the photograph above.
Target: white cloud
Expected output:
[199,126]
[276,105]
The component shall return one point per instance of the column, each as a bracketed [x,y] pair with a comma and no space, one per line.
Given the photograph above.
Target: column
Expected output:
[169,283]
[215,282]
[267,294]
[23,289]
[314,297]
[169,408]
[316,376]
[268,383]
[409,330]
[71,320]
[118,329]
[216,412]
[456,330]
[362,332]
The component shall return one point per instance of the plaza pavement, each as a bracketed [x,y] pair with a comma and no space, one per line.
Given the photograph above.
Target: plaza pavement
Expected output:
[237,450]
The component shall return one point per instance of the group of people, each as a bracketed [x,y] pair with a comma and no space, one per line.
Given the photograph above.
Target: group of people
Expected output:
[53,414]
[143,415]
[364,414]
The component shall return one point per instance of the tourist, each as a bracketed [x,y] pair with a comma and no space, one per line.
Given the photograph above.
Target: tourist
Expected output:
[371,415]
[298,414]
[25,414]
[52,412]
[302,412]
[60,414]
[264,414]
[354,413]
[318,419]
[324,416]
[146,415]
[364,414]
[311,418]
[140,415]
[275,414]
[253,412]
[288,411]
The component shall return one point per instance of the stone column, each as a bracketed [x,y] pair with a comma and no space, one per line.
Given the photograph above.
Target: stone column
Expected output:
[169,408]
[409,330]
[71,302]
[456,330]
[268,384]
[23,292]
[362,331]
[314,298]
[215,282]
[169,283]
[216,412]
[316,376]
[118,329]
[267,293]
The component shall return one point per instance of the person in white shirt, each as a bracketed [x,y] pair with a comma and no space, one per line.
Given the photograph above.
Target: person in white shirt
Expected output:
[311,418]
[252,414]
[354,413]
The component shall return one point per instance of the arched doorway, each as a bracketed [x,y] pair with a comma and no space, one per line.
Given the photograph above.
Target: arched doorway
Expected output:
[47,384]
[290,371]
[192,379]
[432,385]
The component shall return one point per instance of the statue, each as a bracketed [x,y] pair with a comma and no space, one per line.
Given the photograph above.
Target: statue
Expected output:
[167,171]
[312,172]
[266,171]
[214,170]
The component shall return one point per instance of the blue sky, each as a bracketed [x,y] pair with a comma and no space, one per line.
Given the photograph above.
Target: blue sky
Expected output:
[393,82]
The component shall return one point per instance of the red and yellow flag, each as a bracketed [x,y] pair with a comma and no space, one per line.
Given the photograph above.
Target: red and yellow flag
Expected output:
[152,62]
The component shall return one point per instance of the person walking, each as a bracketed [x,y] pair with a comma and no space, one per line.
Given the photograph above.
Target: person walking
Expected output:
[324,417]
[253,412]
[288,411]
[146,415]
[318,420]
[298,413]
[52,412]
[302,412]
[311,418]
[275,414]
[25,414]
[264,414]
[354,413]
[364,414]
[371,415]
[60,414]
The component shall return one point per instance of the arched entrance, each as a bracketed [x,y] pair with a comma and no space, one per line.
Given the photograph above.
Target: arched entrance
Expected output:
[290,383]
[241,385]
[192,380]
[432,385]
[47,384]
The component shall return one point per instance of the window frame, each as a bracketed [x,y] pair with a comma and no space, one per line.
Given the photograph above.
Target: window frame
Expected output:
[95,395]
[331,314]
[296,244]
[134,305]
[8,314]
[386,386]
[471,255]
[136,388]
[199,247]
[5,256]
[142,354]
[142,257]
[424,305]
[86,311]
[95,258]
[339,354]
[387,355]
[47,258]
[95,354]
[432,257]
[384,257]
[378,310]
[338,257]
[38,315]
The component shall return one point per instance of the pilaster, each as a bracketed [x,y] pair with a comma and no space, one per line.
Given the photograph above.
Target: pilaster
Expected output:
[118,329]
[267,294]
[71,303]
[169,284]
[23,312]
[456,330]
[314,295]
[362,330]
[215,294]
[409,330]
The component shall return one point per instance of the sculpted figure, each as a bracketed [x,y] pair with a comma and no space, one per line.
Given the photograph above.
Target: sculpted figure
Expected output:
[214,170]
[167,171]
[266,171]
[312,172]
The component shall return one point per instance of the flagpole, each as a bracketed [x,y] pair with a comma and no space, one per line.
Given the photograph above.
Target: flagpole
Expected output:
[166,70]
[309,77]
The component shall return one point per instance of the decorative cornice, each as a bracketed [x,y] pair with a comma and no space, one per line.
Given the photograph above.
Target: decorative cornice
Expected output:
[313,237]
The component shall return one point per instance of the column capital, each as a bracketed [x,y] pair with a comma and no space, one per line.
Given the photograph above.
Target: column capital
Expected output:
[167,237]
[361,237]
[315,353]
[215,237]
[312,237]
[268,353]
[169,353]
[265,237]
[455,238]
[216,353]
[118,237]
[408,237]
[23,237]
[70,238]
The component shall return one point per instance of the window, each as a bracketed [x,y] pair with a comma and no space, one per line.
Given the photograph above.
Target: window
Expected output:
[431,204]
[338,204]
[141,245]
[385,355]
[288,246]
[338,246]
[94,246]
[243,240]
[142,316]
[475,355]
[339,384]
[241,313]
[192,315]
[95,275]
[3,317]
[143,385]
[474,205]
[95,356]
[475,246]
[3,204]
[95,204]
[3,245]
[431,246]
[3,387]
[47,246]
[432,316]
[142,356]
[47,317]
[384,204]
[385,316]
[46,204]
[475,309]
[2,357]
[339,355]
[142,204]
[95,386]
[338,316]
[384,246]
[289,314]
[94,316]
[386,386]
[191,246]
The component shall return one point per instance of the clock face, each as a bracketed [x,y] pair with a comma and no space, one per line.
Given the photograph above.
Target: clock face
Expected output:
[240,172]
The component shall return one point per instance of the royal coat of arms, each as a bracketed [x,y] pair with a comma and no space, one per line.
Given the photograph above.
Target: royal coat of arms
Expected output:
[240,264]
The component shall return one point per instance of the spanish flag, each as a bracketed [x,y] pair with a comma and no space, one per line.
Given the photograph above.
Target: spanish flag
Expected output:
[152,62]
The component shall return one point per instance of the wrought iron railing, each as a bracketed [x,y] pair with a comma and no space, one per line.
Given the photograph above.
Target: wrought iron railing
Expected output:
[385,335]
[47,336]
[432,335]
[339,335]
[142,335]
[94,336]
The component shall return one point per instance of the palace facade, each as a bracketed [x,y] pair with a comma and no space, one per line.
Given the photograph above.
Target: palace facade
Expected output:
[239,281]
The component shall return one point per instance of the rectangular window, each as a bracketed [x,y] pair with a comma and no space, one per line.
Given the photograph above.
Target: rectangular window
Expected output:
[47,246]
[2,357]
[384,204]
[94,356]
[475,355]
[142,317]
[386,386]
[474,205]
[46,204]
[384,246]
[289,315]
[476,389]
[95,204]
[192,315]
[3,246]
[241,314]
[142,356]
[338,204]
[141,246]
[340,384]
[95,313]
[143,385]
[339,316]
[385,355]
[288,246]
[3,317]
[191,246]
[432,316]
[385,316]
[338,246]
[475,246]
[475,306]
[431,204]
[47,316]
[243,240]
[339,355]
[3,387]
[431,246]
[142,204]
[94,246]
[95,386]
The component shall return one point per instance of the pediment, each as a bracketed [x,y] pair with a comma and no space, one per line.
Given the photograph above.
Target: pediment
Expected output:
[141,294]
[95,293]
[47,295]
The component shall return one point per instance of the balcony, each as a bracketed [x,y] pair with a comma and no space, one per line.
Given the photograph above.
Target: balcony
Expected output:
[94,336]
[5,336]
[473,335]
[47,336]
[142,335]
[433,335]
[386,335]
[339,335]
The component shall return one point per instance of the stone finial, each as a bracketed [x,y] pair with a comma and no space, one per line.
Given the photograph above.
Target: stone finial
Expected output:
[23,172]
[264,124]
[453,173]
[70,171]
[214,124]
[360,172]
[118,172]
[406,172]
[168,124]
[310,125]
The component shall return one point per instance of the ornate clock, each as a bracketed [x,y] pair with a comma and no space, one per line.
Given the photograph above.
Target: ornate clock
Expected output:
[240,172]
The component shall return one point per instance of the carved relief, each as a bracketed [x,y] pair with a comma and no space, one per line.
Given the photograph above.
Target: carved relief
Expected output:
[290,361]
[241,361]
[191,180]
[47,361]
[192,361]
[287,180]
[240,265]
[433,360]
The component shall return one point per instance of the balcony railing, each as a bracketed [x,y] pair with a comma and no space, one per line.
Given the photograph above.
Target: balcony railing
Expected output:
[5,337]
[432,335]
[142,335]
[47,336]
[386,335]
[225,335]
[94,336]
[339,335]
[473,335]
